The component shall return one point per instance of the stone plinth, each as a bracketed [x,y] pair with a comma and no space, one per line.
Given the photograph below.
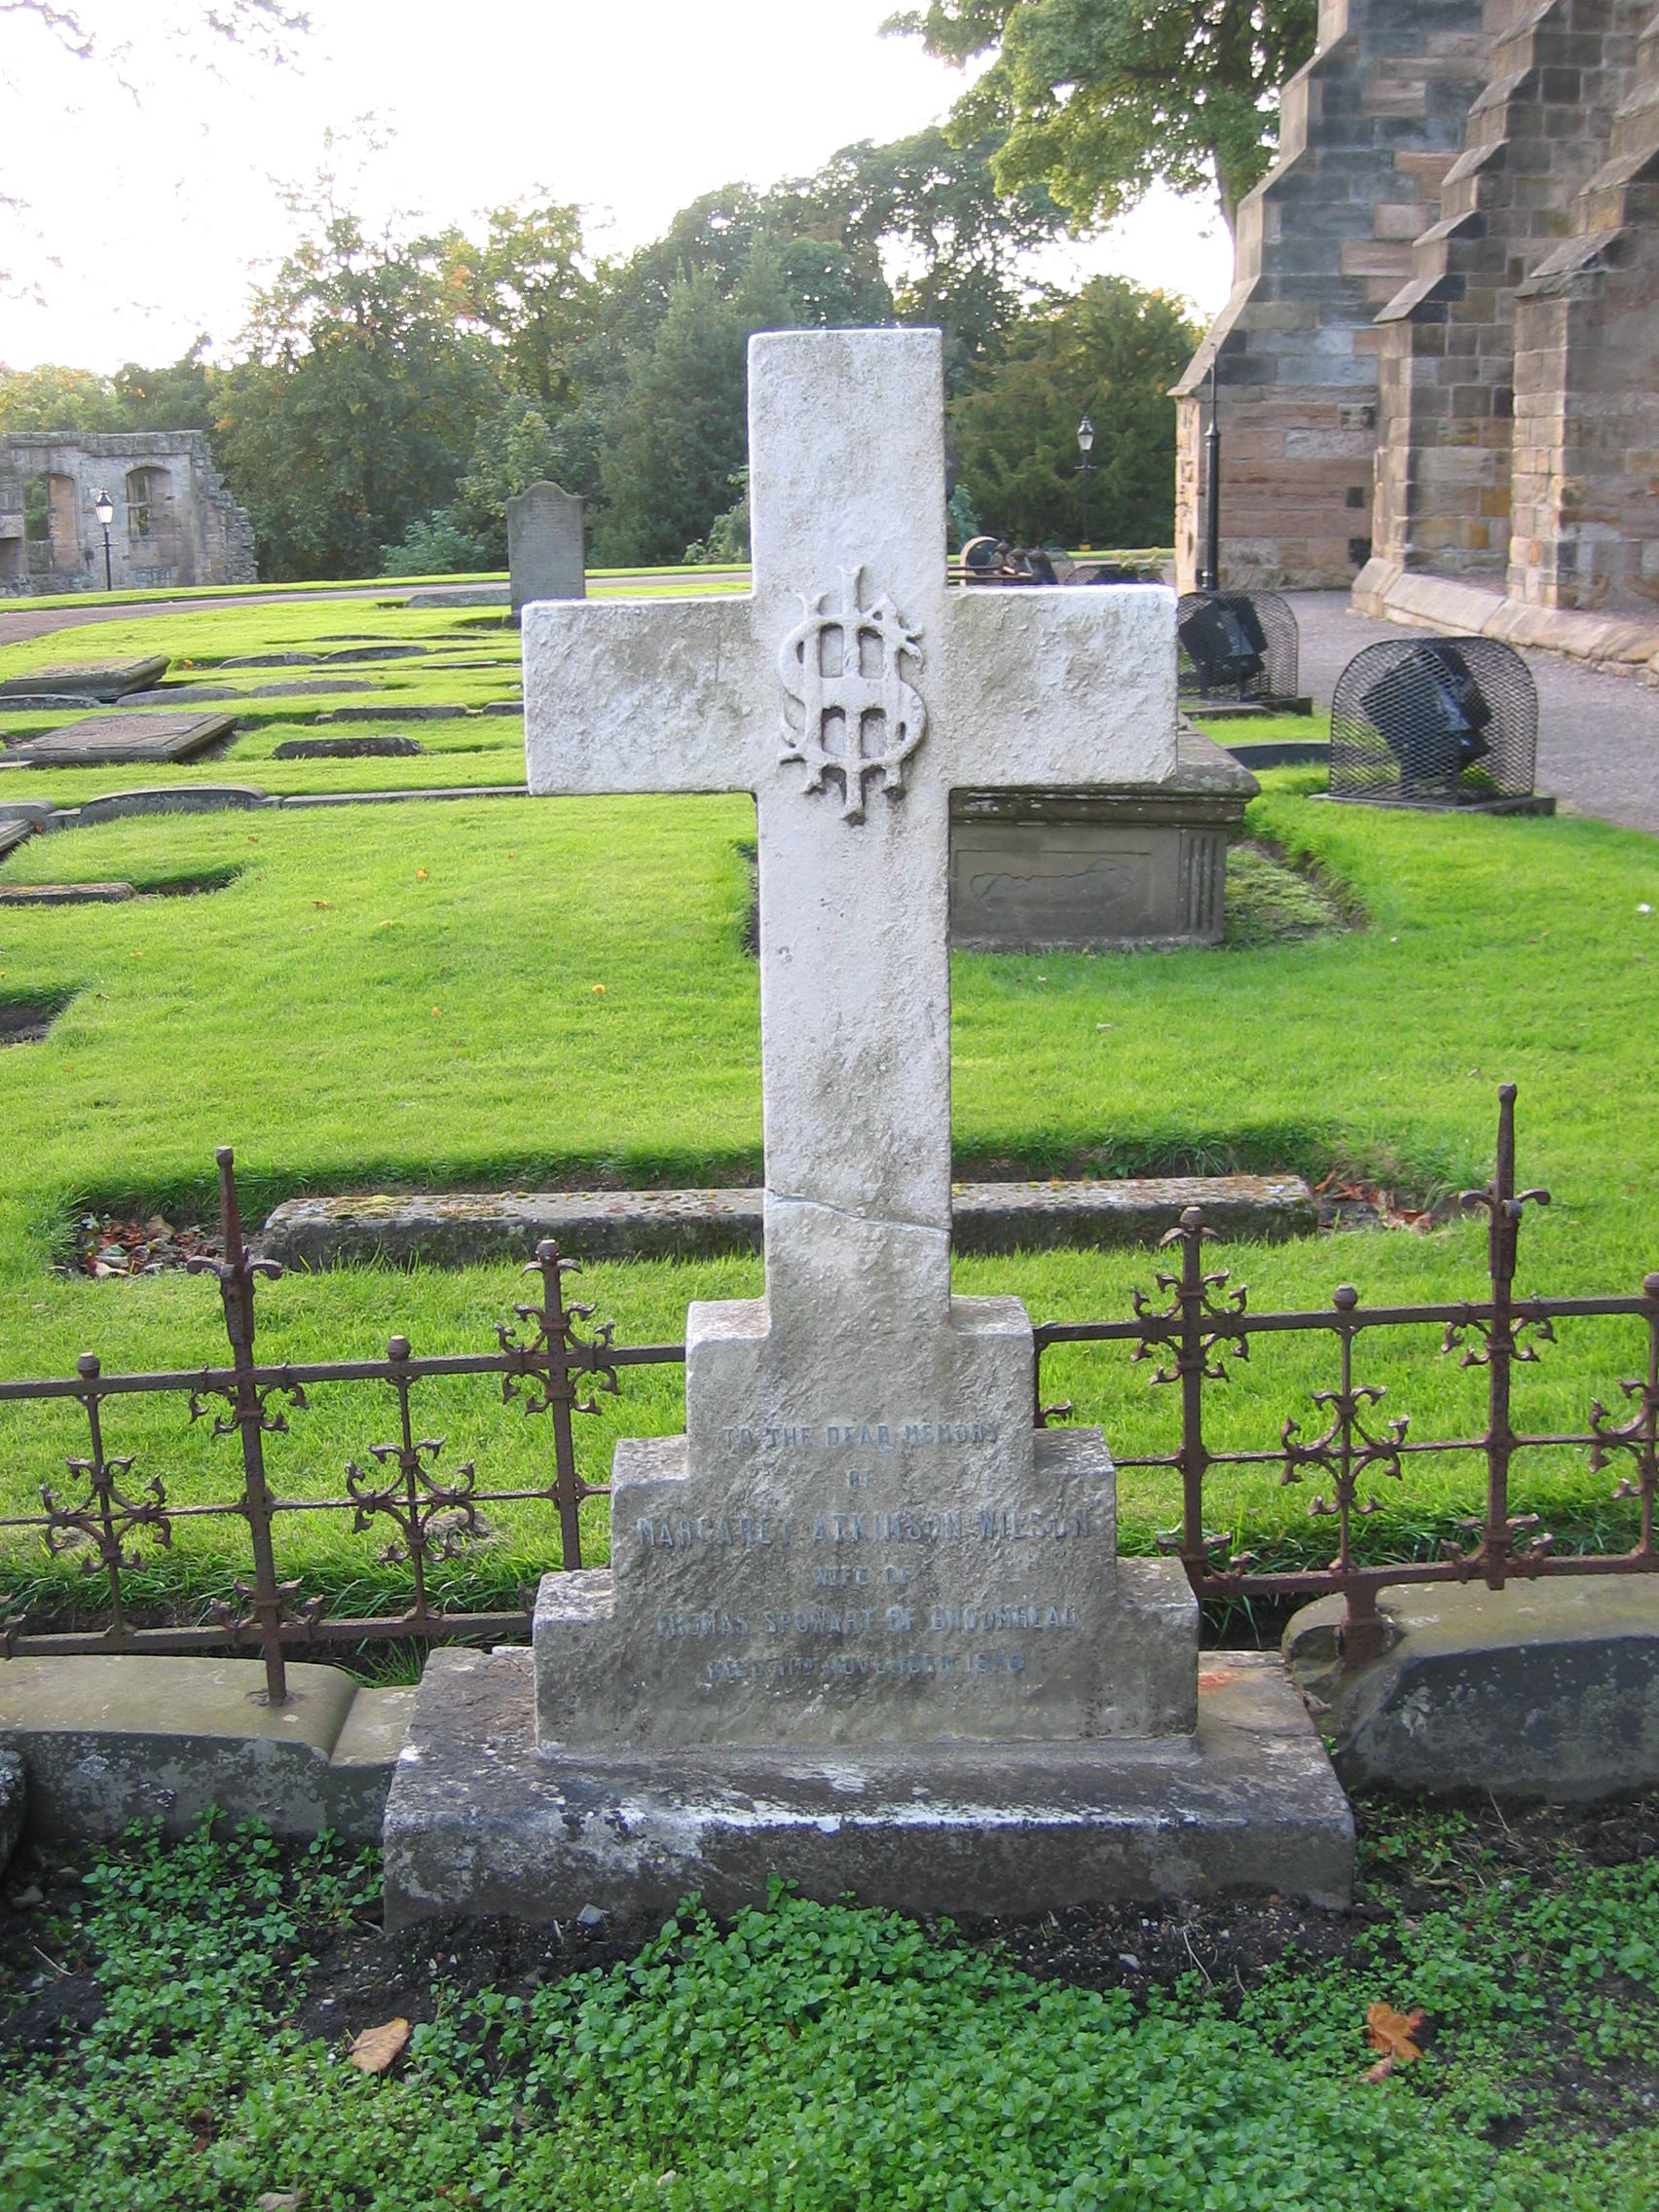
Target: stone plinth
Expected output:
[481,1821]
[544,545]
[1097,868]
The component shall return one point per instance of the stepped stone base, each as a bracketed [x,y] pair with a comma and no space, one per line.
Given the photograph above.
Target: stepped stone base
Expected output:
[480,1822]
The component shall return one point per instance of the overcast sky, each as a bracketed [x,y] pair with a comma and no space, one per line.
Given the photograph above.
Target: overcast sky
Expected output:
[151,178]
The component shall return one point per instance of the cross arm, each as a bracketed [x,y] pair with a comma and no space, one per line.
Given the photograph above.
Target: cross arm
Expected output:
[1061,686]
[638,695]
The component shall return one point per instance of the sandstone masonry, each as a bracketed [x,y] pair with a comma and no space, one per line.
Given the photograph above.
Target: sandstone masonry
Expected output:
[175,524]
[1493,386]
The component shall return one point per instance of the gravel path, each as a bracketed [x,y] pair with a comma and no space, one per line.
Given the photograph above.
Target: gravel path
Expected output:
[1597,735]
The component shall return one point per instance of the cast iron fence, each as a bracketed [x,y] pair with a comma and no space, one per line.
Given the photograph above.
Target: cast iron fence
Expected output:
[546,1364]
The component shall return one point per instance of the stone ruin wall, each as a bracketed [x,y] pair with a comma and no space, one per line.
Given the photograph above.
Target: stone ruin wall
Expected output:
[175,524]
[1497,323]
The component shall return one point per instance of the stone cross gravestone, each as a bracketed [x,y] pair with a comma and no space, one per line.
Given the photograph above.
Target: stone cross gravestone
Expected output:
[864,1625]
[861,1532]
[544,545]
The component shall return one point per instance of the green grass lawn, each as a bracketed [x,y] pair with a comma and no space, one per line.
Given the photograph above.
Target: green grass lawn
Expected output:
[520,994]
[832,2060]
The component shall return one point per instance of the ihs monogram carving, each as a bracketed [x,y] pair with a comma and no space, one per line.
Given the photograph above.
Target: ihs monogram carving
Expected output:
[860,716]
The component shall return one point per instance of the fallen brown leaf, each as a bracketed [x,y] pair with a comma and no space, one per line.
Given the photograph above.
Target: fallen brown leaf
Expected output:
[1380,2071]
[377,2049]
[1391,2033]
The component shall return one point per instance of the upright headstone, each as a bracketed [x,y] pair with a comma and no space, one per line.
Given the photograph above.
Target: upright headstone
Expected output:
[862,1561]
[544,545]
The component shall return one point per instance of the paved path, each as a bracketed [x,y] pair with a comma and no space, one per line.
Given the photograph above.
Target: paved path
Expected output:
[1597,735]
[20,622]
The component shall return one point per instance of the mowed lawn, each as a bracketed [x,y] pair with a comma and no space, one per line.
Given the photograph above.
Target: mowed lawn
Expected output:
[519,994]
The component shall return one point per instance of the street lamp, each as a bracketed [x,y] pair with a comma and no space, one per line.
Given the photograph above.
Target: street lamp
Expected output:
[103,507]
[1084,446]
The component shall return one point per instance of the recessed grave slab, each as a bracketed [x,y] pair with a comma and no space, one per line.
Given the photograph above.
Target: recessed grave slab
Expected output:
[862,1573]
[345,749]
[90,680]
[103,739]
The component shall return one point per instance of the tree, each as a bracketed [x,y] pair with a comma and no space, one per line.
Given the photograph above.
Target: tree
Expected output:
[530,287]
[930,212]
[1111,354]
[678,431]
[353,414]
[54,398]
[1100,97]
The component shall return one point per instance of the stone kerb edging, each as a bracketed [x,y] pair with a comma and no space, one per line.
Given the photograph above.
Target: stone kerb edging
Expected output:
[462,1229]
[1617,643]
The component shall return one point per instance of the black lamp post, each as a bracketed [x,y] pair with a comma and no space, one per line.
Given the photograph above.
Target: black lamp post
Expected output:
[103,507]
[1210,580]
[1084,446]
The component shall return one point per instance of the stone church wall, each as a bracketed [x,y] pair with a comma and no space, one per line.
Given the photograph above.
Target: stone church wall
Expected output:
[1367,131]
[1461,316]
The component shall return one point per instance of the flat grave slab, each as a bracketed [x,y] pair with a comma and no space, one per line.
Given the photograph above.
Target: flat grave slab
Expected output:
[460,1228]
[100,739]
[14,831]
[66,894]
[87,679]
[345,749]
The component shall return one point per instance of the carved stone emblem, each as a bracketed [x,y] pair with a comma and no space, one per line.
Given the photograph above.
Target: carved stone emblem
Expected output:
[852,711]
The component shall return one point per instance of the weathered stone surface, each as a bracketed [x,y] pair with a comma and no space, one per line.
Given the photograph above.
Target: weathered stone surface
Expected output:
[1547,1688]
[108,1741]
[91,680]
[934,1596]
[66,894]
[103,738]
[393,710]
[174,525]
[457,1228]
[1455,605]
[455,595]
[480,1821]
[345,749]
[545,559]
[15,831]
[1030,870]
[851,692]
[178,798]
[14,1804]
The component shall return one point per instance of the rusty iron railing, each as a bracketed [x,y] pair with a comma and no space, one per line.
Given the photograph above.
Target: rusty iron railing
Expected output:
[545,1363]
[1205,1324]
[542,1359]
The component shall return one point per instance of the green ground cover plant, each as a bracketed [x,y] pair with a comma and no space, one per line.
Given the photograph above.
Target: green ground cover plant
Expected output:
[829,2058]
[541,994]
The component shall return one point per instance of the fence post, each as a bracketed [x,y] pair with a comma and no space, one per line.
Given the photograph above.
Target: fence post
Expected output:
[1191,1362]
[235,1273]
[561,1397]
[1503,1233]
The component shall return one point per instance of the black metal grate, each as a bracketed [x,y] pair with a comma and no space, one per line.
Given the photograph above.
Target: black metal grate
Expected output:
[1435,722]
[1236,645]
